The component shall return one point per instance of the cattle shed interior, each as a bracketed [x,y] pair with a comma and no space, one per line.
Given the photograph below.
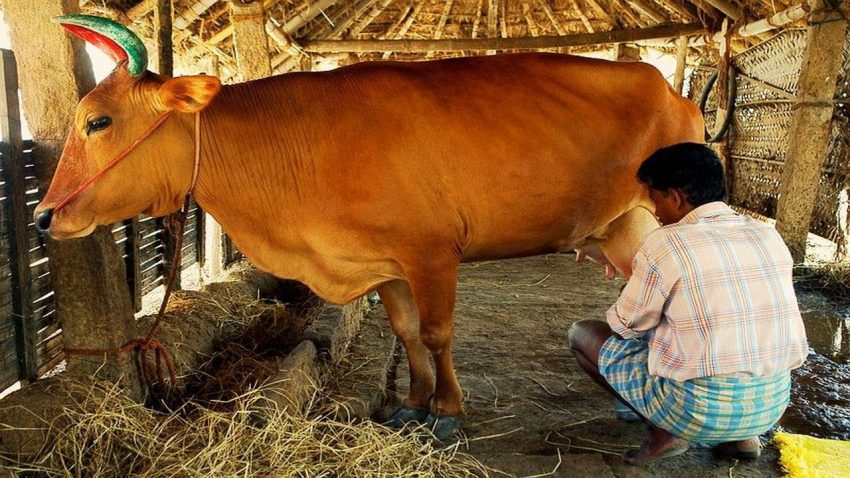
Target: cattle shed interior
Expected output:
[771,76]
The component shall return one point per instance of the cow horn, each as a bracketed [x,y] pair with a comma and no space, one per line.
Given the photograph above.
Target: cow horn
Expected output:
[111,37]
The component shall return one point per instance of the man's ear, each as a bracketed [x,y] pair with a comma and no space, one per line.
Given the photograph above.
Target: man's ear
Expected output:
[680,199]
[189,94]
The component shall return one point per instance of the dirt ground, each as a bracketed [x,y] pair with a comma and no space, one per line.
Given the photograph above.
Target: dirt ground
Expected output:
[529,405]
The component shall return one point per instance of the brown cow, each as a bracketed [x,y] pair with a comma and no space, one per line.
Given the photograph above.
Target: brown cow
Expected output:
[386,176]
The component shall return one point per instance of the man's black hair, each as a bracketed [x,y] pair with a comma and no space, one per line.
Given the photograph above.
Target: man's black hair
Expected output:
[691,167]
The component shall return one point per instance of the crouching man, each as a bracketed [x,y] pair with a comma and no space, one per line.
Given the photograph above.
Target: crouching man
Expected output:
[703,336]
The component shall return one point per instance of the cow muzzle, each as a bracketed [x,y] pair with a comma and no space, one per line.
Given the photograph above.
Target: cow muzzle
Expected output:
[42,221]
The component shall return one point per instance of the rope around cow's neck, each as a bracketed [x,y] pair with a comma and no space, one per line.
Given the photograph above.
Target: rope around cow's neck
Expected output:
[176,223]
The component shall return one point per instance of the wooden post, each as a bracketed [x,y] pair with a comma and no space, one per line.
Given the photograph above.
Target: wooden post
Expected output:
[163,29]
[681,63]
[810,127]
[492,19]
[249,39]
[626,52]
[214,243]
[722,100]
[88,274]
[16,212]
[134,261]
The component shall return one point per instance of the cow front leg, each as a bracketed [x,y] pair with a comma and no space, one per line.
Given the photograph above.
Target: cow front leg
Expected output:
[435,298]
[404,321]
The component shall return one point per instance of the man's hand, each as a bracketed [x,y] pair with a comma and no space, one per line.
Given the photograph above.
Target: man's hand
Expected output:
[595,254]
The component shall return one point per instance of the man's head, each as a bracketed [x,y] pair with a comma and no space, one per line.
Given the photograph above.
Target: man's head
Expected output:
[681,178]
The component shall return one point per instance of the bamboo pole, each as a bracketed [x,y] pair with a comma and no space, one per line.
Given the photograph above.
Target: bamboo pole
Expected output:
[356,11]
[727,7]
[603,13]
[756,27]
[444,17]
[584,19]
[650,10]
[533,30]
[581,39]
[789,15]
[370,17]
[477,22]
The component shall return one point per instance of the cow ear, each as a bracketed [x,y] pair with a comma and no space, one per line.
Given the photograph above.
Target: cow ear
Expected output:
[189,94]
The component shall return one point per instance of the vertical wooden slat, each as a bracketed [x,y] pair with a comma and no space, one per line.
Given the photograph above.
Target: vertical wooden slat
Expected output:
[200,237]
[16,210]
[134,262]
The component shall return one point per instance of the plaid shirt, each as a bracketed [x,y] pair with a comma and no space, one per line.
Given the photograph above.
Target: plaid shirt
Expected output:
[713,294]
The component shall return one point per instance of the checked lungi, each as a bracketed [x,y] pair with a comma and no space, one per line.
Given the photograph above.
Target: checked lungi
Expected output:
[706,410]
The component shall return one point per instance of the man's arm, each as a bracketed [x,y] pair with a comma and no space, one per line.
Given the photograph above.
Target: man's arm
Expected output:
[641,302]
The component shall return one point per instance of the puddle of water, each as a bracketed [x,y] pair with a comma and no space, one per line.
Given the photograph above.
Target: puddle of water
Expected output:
[827,325]
[820,393]
[820,399]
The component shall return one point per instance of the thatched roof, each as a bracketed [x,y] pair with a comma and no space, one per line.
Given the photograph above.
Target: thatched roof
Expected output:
[203,28]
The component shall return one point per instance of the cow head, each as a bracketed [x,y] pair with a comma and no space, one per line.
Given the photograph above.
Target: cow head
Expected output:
[156,174]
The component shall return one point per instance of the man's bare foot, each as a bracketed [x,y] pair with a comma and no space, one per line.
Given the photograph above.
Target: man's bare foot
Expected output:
[748,449]
[658,444]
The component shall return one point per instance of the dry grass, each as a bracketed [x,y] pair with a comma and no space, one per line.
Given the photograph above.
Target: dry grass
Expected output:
[223,425]
[106,435]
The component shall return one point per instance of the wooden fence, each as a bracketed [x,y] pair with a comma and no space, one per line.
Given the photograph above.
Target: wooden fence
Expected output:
[30,331]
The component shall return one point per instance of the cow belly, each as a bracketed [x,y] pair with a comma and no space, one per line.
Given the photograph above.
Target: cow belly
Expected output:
[336,279]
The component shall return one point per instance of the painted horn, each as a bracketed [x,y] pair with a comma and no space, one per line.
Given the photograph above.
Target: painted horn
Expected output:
[109,36]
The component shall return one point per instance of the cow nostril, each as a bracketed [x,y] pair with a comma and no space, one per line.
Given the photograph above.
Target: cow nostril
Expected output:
[42,221]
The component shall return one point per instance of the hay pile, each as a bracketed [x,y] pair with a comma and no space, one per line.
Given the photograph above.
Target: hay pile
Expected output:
[106,435]
[227,342]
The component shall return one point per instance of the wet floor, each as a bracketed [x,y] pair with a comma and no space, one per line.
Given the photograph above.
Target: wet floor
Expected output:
[827,325]
[820,396]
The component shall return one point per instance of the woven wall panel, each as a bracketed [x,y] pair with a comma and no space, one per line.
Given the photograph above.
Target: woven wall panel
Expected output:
[759,135]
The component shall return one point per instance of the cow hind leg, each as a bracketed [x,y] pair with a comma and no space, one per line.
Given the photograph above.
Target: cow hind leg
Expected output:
[623,236]
[434,292]
[404,321]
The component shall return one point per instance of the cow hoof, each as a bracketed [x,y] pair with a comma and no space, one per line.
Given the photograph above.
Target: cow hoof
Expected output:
[405,415]
[443,428]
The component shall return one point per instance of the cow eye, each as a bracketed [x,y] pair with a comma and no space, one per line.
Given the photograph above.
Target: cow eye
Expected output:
[98,124]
